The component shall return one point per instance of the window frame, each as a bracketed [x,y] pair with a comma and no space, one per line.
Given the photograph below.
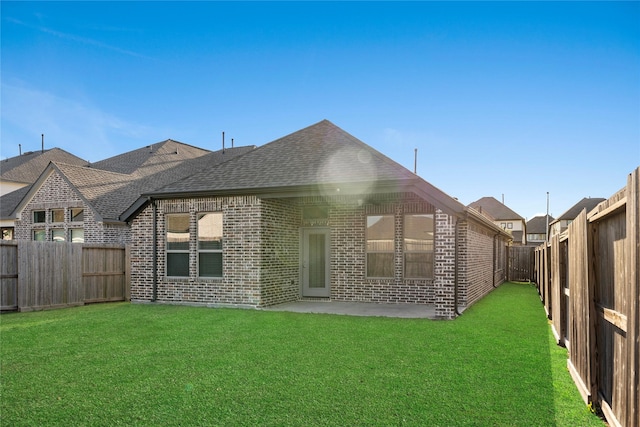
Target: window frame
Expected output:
[169,251]
[39,212]
[73,215]
[52,214]
[200,251]
[39,231]
[56,233]
[368,251]
[72,231]
[431,252]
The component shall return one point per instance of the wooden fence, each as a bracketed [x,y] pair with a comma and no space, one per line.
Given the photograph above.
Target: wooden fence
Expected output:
[42,275]
[589,284]
[521,264]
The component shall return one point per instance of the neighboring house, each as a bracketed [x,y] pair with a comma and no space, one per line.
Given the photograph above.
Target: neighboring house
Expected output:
[561,223]
[315,214]
[537,229]
[85,203]
[18,173]
[504,217]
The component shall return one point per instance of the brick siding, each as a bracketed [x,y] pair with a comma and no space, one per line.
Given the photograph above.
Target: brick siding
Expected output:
[55,193]
[261,247]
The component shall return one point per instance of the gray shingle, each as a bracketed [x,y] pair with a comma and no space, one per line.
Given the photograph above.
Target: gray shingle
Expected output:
[587,203]
[27,167]
[494,209]
[319,154]
[538,224]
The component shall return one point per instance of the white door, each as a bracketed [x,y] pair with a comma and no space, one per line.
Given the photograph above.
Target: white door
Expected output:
[315,262]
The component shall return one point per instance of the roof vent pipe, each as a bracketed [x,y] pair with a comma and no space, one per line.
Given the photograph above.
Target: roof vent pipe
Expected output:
[42,143]
[231,142]
[20,149]
[222,142]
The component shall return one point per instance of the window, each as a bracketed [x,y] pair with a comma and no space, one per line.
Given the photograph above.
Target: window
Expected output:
[77,235]
[39,217]
[57,215]
[418,246]
[39,235]
[77,214]
[177,245]
[7,233]
[510,225]
[57,235]
[380,245]
[210,245]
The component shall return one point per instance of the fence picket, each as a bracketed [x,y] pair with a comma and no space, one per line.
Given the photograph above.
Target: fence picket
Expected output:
[41,275]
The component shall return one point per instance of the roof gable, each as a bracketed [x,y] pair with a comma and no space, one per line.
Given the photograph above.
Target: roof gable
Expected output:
[494,209]
[111,193]
[27,167]
[320,154]
[151,159]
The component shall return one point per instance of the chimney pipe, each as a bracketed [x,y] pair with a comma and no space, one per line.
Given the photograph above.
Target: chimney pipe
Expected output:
[20,149]
[415,161]
[222,142]
[42,143]
[231,142]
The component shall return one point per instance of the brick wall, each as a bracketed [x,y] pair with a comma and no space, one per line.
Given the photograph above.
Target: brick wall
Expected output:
[476,256]
[445,262]
[348,256]
[55,193]
[279,260]
[241,254]
[261,252]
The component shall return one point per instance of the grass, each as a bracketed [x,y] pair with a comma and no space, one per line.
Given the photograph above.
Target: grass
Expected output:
[124,364]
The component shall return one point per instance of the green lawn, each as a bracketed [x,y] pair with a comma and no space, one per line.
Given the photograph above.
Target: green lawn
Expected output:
[124,364]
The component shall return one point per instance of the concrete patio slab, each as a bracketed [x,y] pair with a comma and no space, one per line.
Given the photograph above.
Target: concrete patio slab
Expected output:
[403,310]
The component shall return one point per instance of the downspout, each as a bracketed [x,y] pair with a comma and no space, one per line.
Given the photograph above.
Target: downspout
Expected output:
[154,296]
[456,267]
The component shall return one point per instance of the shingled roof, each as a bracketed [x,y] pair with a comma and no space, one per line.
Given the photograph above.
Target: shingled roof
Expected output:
[151,159]
[538,224]
[587,203]
[110,193]
[321,154]
[494,209]
[27,167]
[321,159]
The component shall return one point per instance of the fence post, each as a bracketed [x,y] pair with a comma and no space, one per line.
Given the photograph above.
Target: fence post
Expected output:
[633,325]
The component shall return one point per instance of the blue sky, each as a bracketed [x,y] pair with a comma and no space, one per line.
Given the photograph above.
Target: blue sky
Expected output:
[507,98]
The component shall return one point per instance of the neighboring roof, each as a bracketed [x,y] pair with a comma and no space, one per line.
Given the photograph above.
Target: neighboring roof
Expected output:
[112,193]
[9,201]
[27,167]
[538,224]
[497,211]
[151,159]
[587,203]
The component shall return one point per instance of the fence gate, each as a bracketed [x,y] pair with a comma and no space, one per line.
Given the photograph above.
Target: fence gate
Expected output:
[521,263]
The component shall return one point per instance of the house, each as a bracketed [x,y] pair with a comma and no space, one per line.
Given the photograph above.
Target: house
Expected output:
[502,216]
[315,214]
[537,231]
[560,224]
[18,173]
[84,203]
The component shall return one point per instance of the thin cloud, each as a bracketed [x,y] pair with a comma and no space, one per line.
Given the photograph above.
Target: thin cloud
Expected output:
[78,39]
[90,132]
